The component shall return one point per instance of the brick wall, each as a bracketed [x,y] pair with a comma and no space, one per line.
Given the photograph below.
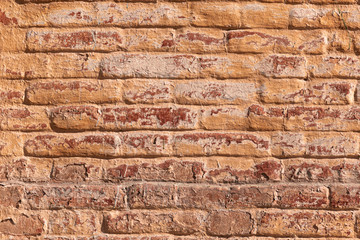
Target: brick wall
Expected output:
[179,120]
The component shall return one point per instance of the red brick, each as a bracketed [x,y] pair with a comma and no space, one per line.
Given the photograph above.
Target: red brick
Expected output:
[72,222]
[215,92]
[54,40]
[229,223]
[70,91]
[250,197]
[266,117]
[147,91]
[314,197]
[165,170]
[75,197]
[344,66]
[11,196]
[131,222]
[51,145]
[147,144]
[280,66]
[21,223]
[303,223]
[12,92]
[235,144]
[345,197]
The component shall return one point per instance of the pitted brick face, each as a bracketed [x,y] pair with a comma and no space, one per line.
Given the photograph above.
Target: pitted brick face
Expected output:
[179,120]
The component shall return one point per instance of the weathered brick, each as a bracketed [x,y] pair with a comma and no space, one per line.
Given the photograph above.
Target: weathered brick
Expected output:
[280,41]
[147,91]
[266,118]
[12,39]
[54,40]
[78,91]
[204,15]
[229,223]
[199,40]
[335,66]
[172,117]
[72,222]
[341,41]
[248,197]
[149,65]
[282,66]
[151,196]
[345,197]
[175,222]
[20,223]
[76,170]
[305,223]
[150,40]
[88,145]
[225,118]
[215,92]
[11,144]
[75,197]
[314,197]
[24,119]
[321,118]
[331,1]
[11,196]
[12,92]
[147,144]
[235,144]
[165,170]
[25,169]
[312,92]
[9,14]
[288,144]
[332,145]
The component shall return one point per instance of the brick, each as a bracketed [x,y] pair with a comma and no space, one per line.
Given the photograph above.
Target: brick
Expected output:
[211,15]
[75,145]
[239,170]
[341,41]
[11,196]
[235,144]
[54,40]
[170,170]
[321,144]
[171,118]
[9,14]
[322,170]
[72,222]
[12,92]
[229,223]
[147,144]
[7,43]
[147,91]
[266,118]
[70,91]
[332,1]
[312,92]
[250,197]
[76,170]
[20,223]
[310,197]
[11,144]
[344,197]
[288,144]
[225,118]
[60,65]
[75,197]
[282,66]
[149,66]
[202,197]
[200,40]
[151,196]
[258,15]
[215,92]
[25,169]
[24,119]
[280,41]
[131,222]
[306,223]
[320,118]
[150,40]
[335,66]
[308,16]
[143,14]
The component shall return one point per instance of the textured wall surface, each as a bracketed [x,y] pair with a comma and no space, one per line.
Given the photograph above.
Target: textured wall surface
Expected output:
[179,120]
